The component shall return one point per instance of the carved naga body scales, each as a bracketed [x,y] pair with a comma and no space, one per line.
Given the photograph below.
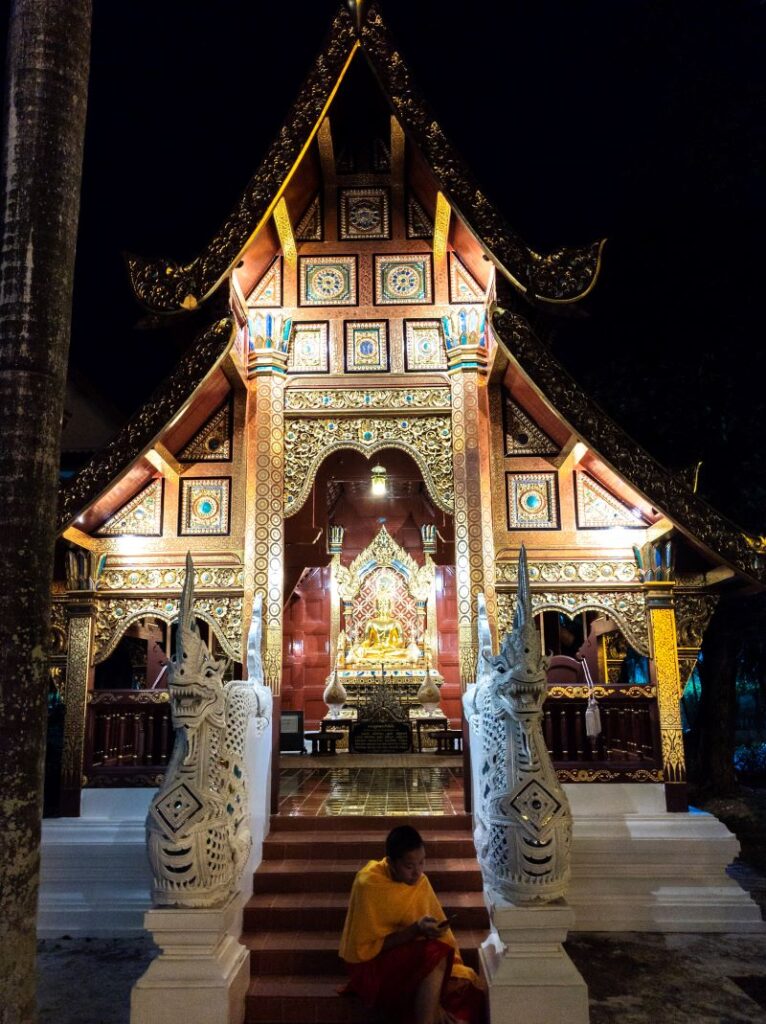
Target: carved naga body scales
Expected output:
[198,826]
[523,821]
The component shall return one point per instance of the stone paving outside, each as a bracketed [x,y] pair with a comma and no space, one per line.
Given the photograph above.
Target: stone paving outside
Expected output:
[632,978]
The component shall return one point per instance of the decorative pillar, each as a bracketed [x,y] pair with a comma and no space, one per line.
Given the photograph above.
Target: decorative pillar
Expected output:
[474,542]
[269,337]
[77,685]
[663,650]
[334,548]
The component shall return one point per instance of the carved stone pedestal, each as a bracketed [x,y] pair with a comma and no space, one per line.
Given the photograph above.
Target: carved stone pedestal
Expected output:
[202,973]
[530,978]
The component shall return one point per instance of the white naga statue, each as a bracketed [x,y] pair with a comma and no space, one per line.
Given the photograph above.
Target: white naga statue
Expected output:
[523,822]
[198,826]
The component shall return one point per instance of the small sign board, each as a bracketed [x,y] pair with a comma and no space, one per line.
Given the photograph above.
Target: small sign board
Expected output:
[381,737]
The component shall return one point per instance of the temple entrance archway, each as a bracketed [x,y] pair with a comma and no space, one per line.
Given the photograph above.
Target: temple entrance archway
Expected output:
[339,529]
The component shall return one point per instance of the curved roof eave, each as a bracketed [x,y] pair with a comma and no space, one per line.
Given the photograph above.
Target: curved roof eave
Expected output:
[138,435]
[691,514]
[563,276]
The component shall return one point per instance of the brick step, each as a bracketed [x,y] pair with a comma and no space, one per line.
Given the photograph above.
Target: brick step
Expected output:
[326,876]
[302,998]
[316,953]
[362,846]
[308,912]
[382,823]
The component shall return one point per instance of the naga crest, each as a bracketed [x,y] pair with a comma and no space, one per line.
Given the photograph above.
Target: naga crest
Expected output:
[195,678]
[520,670]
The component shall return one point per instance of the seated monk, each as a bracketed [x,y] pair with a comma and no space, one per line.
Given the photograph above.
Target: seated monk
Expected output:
[401,955]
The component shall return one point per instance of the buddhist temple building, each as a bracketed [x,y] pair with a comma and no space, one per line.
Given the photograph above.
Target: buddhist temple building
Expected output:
[367,427]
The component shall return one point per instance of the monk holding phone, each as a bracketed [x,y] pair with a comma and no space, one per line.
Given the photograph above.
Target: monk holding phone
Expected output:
[397,942]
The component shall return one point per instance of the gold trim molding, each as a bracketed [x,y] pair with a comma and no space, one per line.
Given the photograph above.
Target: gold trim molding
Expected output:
[314,400]
[428,439]
[631,692]
[626,607]
[571,571]
[605,775]
[214,577]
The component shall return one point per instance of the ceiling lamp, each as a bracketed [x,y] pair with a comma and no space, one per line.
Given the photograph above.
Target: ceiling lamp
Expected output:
[378,481]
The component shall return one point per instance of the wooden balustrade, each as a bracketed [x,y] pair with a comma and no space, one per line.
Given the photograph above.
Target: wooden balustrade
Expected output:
[629,736]
[129,737]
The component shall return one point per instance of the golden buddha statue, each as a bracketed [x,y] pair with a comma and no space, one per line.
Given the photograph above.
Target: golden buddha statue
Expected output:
[383,636]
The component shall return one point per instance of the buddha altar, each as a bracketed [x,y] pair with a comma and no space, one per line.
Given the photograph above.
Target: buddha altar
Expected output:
[383,640]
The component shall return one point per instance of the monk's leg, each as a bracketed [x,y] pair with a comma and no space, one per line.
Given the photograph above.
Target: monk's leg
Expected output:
[427,995]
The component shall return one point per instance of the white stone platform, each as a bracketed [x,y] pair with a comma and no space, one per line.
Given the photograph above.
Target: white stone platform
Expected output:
[635,867]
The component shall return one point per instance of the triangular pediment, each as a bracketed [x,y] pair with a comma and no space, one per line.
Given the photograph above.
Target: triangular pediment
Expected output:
[419,224]
[139,517]
[562,276]
[599,509]
[267,293]
[212,442]
[309,227]
[463,286]
[522,435]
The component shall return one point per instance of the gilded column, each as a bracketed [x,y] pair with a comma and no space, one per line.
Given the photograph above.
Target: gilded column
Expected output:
[474,542]
[264,516]
[663,649]
[79,670]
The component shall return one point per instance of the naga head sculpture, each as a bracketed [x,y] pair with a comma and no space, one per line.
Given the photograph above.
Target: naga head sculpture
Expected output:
[195,678]
[520,670]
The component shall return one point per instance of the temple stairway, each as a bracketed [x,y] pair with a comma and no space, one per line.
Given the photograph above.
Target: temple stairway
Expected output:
[293,921]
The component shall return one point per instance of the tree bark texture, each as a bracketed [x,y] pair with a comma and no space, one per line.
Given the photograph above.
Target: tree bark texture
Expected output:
[44,127]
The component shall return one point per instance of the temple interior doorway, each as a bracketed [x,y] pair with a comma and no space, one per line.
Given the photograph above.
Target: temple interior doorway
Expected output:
[355,611]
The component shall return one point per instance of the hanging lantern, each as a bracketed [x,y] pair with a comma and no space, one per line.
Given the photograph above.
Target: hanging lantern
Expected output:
[378,481]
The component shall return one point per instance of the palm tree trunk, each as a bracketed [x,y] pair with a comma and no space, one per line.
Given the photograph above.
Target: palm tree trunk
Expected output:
[44,127]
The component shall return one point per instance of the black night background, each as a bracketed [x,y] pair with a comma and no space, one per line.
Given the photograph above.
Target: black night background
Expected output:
[638,121]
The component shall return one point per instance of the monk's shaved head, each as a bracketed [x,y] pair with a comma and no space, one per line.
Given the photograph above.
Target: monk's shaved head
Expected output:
[401,841]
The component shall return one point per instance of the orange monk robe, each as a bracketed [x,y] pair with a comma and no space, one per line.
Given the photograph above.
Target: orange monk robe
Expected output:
[380,906]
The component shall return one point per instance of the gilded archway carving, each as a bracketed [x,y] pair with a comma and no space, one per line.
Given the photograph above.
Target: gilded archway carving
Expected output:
[428,439]
[626,608]
[114,617]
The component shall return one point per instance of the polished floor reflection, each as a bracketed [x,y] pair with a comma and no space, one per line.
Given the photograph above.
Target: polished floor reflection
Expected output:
[374,790]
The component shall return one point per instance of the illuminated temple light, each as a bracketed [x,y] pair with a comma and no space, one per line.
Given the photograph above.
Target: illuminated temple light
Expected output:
[441,227]
[378,486]
[285,232]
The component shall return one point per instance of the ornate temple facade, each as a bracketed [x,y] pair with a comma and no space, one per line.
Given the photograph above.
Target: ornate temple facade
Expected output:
[366,435]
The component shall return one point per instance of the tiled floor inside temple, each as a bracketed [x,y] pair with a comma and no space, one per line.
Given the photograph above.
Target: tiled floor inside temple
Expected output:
[349,789]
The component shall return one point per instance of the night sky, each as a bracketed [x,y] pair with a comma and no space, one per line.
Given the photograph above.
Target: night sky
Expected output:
[639,121]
